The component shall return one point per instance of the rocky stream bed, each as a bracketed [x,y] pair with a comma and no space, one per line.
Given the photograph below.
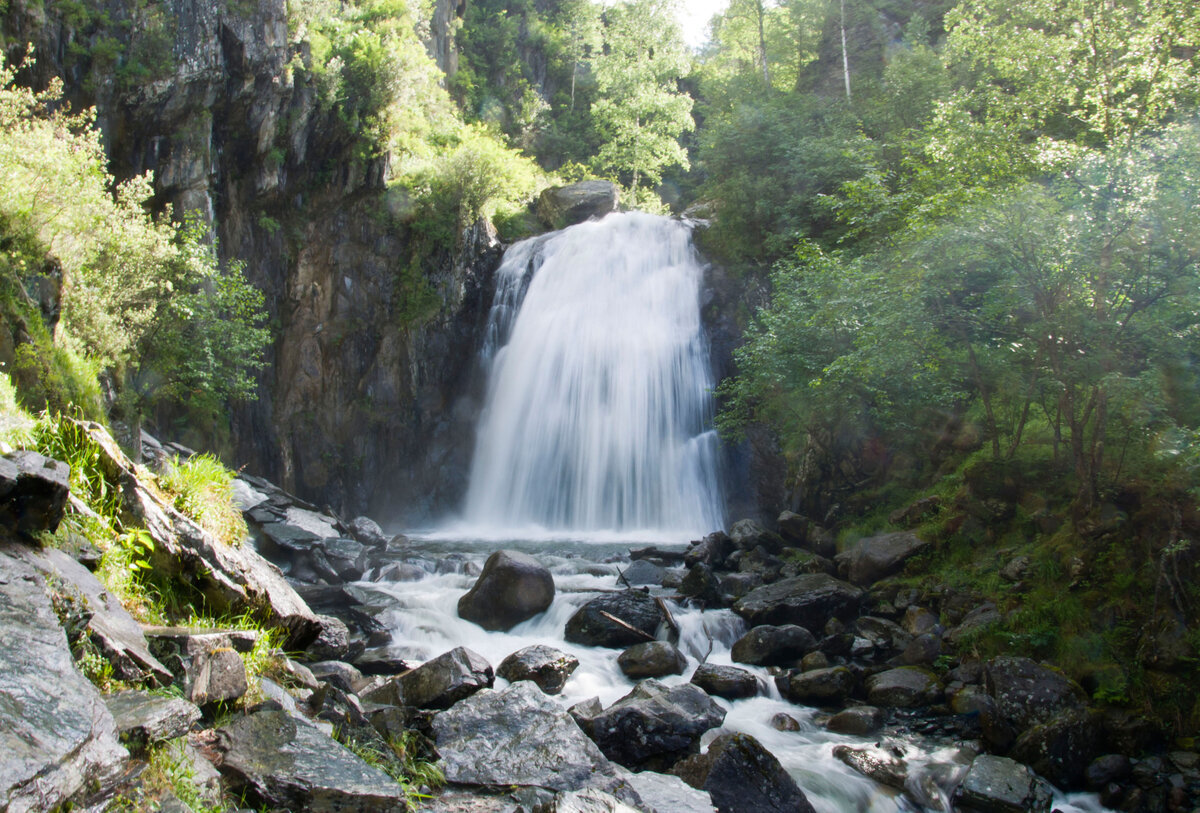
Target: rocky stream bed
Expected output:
[550,675]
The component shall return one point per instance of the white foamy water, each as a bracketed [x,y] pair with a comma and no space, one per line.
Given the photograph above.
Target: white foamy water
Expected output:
[598,411]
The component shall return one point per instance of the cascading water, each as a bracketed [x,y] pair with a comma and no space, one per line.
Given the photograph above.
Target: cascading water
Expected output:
[598,410]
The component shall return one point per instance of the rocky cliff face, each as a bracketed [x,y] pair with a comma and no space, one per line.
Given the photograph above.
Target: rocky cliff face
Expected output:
[356,407]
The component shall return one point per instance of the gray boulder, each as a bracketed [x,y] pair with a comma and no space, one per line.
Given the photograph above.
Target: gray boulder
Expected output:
[285,762]
[205,663]
[653,727]
[144,719]
[637,617]
[546,666]
[651,659]
[512,588]
[1027,693]
[825,687]
[1000,785]
[446,679]
[728,682]
[516,736]
[773,646]
[906,687]
[712,550]
[562,206]
[743,777]
[33,493]
[860,721]
[642,572]
[875,557]
[748,535]
[1061,748]
[808,600]
[57,738]
[367,531]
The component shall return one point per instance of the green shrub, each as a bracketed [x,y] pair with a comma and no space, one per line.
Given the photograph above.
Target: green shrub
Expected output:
[202,488]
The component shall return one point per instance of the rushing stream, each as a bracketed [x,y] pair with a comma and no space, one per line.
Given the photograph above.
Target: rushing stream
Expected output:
[597,429]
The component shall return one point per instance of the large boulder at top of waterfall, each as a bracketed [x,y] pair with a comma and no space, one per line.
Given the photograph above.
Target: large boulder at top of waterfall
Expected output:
[562,206]
[743,777]
[1000,785]
[653,726]
[651,659]
[728,682]
[446,679]
[284,762]
[773,646]
[809,600]
[546,666]
[516,736]
[58,741]
[877,556]
[33,493]
[512,588]
[615,620]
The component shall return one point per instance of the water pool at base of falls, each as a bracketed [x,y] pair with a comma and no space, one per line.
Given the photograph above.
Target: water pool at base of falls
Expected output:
[422,617]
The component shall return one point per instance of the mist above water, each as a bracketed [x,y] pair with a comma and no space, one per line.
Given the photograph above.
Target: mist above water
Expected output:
[598,413]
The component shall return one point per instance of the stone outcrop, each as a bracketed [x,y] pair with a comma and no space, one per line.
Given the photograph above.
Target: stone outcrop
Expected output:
[870,559]
[512,588]
[651,660]
[562,206]
[33,492]
[1000,785]
[144,719]
[728,682]
[58,739]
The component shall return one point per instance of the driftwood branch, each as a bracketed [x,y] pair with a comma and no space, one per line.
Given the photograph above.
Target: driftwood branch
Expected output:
[625,625]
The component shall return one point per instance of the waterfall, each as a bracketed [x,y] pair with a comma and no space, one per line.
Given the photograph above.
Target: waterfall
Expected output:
[598,409]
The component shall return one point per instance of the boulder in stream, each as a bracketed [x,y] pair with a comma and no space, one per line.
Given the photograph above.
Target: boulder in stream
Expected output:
[743,777]
[446,679]
[562,206]
[651,660]
[653,727]
[512,588]
[823,687]
[517,736]
[905,687]
[615,620]
[546,666]
[767,645]
[728,682]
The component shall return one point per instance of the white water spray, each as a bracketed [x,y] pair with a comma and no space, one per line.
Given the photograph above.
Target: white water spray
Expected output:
[598,408]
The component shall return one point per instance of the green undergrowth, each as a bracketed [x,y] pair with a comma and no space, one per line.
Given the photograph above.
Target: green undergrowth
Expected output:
[402,758]
[202,488]
[1108,595]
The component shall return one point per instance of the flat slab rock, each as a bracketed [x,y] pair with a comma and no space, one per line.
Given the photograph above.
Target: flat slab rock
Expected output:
[285,762]
[57,738]
[147,719]
[1001,785]
[111,628]
[808,600]
[516,736]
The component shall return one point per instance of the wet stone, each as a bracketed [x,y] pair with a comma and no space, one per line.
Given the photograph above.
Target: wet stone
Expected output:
[546,666]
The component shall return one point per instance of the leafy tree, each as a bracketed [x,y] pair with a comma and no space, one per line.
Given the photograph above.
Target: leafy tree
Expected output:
[140,296]
[640,111]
